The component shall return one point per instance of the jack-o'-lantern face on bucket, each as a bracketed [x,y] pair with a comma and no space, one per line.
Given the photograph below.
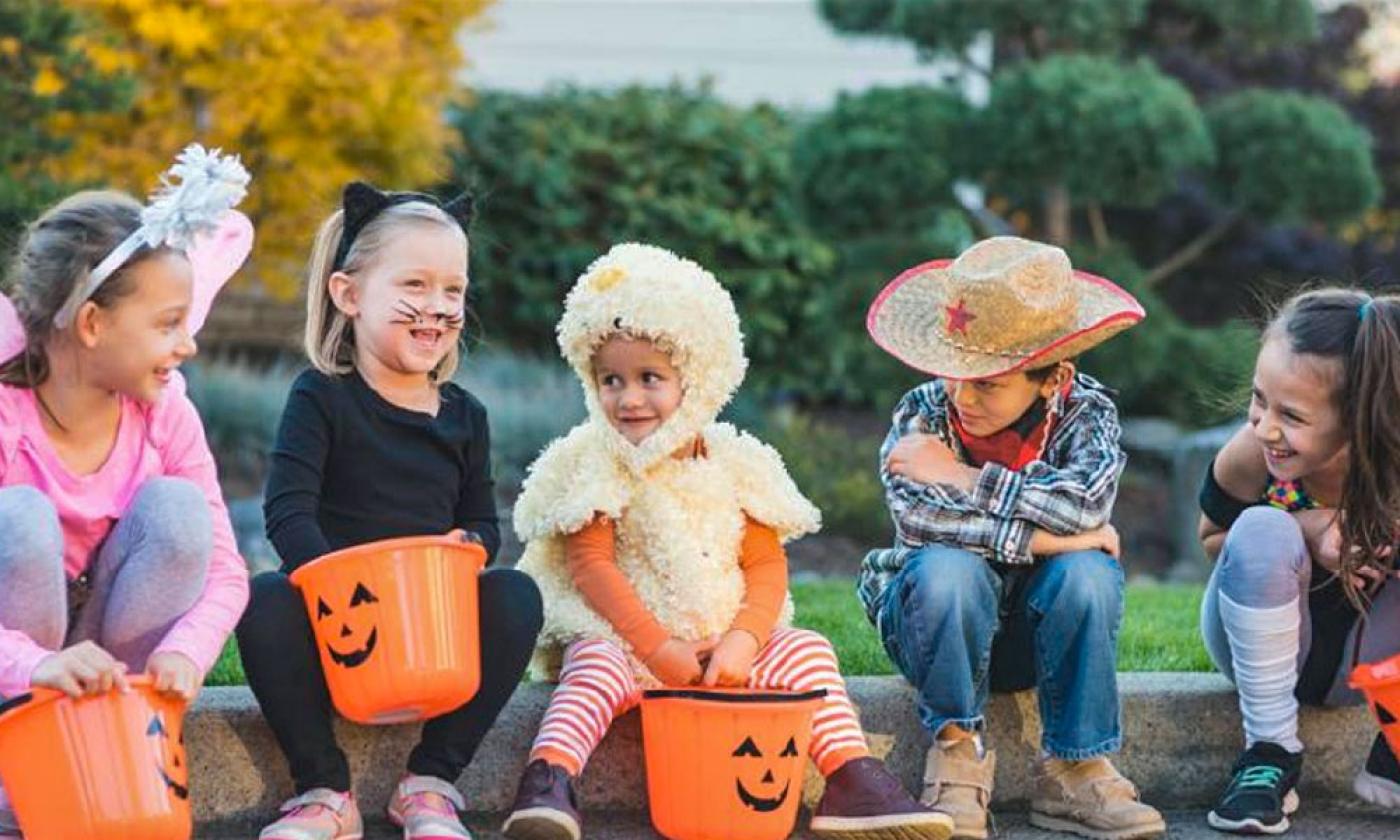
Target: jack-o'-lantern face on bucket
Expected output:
[754,780]
[170,755]
[355,625]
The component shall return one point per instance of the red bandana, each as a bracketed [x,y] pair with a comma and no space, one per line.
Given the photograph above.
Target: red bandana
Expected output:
[1018,444]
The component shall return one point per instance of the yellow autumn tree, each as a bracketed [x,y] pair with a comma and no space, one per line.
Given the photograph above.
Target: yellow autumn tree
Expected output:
[311,93]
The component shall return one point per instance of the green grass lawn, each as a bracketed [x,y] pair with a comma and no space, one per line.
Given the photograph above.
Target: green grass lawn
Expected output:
[1159,630]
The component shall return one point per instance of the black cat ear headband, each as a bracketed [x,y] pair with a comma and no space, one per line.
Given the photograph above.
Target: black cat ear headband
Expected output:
[362,202]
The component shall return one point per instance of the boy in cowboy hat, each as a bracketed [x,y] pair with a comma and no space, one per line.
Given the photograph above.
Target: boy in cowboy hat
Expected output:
[1000,474]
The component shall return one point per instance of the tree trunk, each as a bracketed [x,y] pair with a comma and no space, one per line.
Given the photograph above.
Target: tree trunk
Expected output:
[1193,250]
[1057,219]
[1098,225]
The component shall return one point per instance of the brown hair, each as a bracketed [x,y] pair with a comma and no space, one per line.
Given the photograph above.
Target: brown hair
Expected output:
[329,341]
[1363,334]
[55,257]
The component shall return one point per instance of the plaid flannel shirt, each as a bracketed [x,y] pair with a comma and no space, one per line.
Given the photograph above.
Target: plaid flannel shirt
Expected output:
[1070,491]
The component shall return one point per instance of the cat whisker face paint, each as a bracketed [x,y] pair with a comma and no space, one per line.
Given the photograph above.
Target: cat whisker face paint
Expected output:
[407,313]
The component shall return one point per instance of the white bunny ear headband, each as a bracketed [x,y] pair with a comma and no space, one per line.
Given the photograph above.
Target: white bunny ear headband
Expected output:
[195,216]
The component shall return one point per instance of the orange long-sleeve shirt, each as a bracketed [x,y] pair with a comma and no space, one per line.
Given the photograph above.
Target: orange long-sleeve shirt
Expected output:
[590,555]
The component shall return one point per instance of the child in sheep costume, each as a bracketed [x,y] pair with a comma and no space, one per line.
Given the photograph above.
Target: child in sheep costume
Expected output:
[655,534]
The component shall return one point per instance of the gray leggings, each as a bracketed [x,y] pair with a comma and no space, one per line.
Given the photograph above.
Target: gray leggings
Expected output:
[147,573]
[1265,563]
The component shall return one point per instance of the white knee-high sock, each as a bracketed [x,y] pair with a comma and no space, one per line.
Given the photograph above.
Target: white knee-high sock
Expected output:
[1264,655]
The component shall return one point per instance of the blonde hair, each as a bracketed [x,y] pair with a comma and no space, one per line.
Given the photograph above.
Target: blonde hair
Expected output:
[329,340]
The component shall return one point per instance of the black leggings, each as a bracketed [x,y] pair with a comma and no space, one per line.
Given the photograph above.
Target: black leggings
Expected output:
[284,671]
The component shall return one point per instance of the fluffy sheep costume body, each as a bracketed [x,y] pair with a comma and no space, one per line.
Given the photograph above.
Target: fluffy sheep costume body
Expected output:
[679,522]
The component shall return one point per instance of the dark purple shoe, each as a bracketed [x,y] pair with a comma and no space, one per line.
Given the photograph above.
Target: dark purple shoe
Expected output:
[546,807]
[864,801]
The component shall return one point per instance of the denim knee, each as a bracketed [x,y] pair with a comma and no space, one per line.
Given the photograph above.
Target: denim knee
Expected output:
[1083,585]
[30,525]
[1263,557]
[938,580]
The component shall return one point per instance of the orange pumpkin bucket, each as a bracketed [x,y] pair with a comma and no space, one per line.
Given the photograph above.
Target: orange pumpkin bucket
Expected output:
[1380,683]
[726,764]
[109,766]
[396,624]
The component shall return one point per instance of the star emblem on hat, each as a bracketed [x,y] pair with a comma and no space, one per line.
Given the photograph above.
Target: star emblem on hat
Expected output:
[959,318]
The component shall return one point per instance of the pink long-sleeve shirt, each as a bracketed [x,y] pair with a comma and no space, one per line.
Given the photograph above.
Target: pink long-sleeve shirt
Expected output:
[161,439]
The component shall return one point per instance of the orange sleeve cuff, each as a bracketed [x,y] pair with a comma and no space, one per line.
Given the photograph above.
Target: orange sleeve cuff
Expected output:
[591,557]
[764,564]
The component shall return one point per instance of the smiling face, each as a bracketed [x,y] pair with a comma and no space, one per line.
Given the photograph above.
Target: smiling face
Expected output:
[1294,412]
[986,406]
[407,306]
[638,386]
[134,345]
[754,782]
[357,636]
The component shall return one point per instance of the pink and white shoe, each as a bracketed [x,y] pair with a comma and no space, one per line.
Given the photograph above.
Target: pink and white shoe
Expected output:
[319,814]
[426,807]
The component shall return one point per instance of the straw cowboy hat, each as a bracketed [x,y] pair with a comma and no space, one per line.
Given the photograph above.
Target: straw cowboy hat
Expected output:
[1005,304]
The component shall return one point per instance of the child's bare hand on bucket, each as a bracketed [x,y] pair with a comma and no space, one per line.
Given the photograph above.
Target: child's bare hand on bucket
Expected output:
[678,662]
[732,660]
[174,673]
[81,669]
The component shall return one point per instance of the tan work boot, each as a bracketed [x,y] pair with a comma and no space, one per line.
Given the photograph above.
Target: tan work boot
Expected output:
[1092,799]
[959,784]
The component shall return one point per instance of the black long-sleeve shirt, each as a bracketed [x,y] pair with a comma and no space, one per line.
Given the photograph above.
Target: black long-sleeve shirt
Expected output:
[349,467]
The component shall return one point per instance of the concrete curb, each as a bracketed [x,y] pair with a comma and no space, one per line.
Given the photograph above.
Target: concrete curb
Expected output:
[1181,731]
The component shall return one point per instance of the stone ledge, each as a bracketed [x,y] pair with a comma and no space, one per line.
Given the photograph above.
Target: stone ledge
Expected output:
[1182,733]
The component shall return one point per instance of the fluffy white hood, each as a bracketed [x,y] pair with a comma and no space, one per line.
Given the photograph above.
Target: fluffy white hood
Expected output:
[643,291]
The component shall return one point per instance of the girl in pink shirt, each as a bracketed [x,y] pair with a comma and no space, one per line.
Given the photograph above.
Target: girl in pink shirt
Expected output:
[118,556]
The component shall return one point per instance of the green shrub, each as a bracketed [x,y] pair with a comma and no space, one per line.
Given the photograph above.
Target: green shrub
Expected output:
[529,401]
[1163,366]
[837,472]
[565,174]
[1108,131]
[881,160]
[1287,157]
[240,406]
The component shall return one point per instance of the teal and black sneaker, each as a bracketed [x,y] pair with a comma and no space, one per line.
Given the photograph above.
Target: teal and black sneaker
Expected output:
[1379,781]
[1262,794]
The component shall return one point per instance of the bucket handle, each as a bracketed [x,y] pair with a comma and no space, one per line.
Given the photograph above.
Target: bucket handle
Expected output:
[16,701]
[732,697]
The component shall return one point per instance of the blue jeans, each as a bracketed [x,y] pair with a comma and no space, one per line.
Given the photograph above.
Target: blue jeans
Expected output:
[959,627]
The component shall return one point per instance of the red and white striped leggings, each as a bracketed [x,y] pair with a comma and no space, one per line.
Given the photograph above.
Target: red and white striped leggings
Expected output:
[596,684]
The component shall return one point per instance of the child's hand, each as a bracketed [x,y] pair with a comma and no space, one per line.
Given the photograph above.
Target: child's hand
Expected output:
[174,673]
[678,662]
[928,460]
[462,535]
[732,660]
[1322,533]
[1104,538]
[81,669]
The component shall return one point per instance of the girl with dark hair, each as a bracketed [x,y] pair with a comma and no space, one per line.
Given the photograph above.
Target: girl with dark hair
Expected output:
[1299,510]
[116,553]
